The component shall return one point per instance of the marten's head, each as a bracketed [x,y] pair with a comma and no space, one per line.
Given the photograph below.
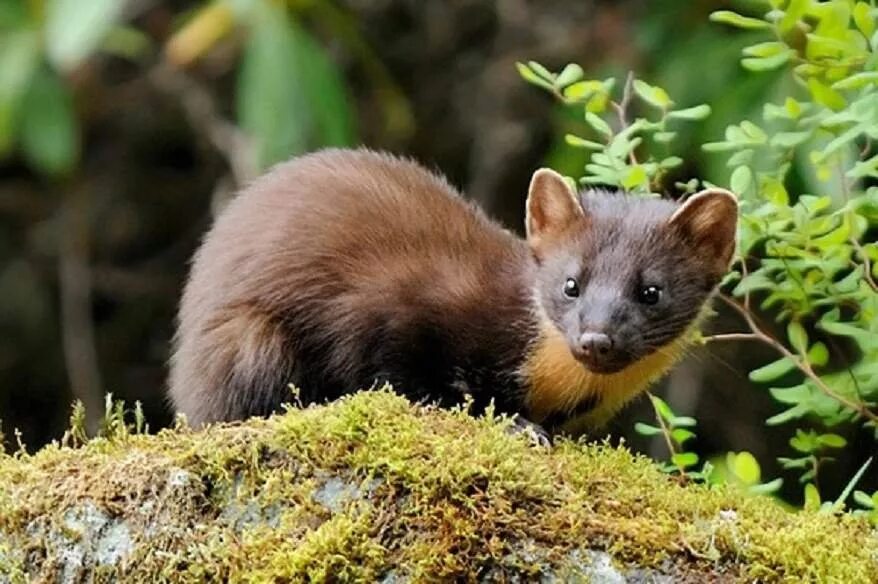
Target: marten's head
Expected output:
[623,277]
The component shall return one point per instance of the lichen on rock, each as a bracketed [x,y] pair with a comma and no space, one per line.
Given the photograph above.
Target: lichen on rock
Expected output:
[373,488]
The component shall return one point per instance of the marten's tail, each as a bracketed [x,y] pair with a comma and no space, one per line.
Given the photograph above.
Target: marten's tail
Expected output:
[236,364]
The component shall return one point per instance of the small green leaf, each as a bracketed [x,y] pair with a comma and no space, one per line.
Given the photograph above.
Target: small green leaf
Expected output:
[19,59]
[655,96]
[766,488]
[741,179]
[812,497]
[528,75]
[737,20]
[864,500]
[685,459]
[744,466]
[671,162]
[832,440]
[699,112]
[583,89]
[49,132]
[578,142]
[766,49]
[818,354]
[681,435]
[766,63]
[662,408]
[646,429]
[798,337]
[75,29]
[863,19]
[682,421]
[789,139]
[825,95]
[598,124]
[634,177]
[664,137]
[571,74]
[772,371]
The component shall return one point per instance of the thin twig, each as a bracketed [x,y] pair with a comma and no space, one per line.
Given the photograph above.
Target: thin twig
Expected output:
[799,361]
[621,108]
[666,432]
[867,264]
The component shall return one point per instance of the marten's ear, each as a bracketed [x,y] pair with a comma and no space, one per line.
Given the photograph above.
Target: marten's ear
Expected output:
[709,220]
[552,207]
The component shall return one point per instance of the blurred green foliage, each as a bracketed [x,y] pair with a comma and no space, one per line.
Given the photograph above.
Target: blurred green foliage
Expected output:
[290,95]
[804,169]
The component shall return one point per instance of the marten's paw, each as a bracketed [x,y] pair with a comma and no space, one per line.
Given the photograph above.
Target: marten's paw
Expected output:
[535,433]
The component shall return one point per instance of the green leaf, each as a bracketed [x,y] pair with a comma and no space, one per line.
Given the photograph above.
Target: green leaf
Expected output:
[789,139]
[766,63]
[772,371]
[19,58]
[541,71]
[863,18]
[832,440]
[570,74]
[685,459]
[598,124]
[654,96]
[856,81]
[49,132]
[583,89]
[528,75]
[864,500]
[812,497]
[664,137]
[744,466]
[798,337]
[699,112]
[634,177]
[794,413]
[681,435]
[662,408]
[825,95]
[578,142]
[818,354]
[646,429]
[741,179]
[737,20]
[682,421]
[766,488]
[671,162]
[290,96]
[75,29]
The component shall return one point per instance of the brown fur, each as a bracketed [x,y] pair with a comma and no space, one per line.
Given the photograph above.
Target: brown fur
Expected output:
[342,269]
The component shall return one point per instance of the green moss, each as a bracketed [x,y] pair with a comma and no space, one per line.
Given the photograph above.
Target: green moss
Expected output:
[372,486]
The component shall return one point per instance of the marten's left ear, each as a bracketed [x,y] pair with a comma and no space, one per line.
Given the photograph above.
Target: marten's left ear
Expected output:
[552,207]
[709,220]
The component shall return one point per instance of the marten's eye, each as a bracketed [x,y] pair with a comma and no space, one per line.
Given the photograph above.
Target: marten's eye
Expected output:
[649,294]
[571,288]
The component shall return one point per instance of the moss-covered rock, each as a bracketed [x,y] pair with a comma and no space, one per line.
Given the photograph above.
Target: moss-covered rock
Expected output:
[372,488]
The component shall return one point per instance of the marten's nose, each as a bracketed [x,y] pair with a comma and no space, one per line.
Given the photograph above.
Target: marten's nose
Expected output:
[595,345]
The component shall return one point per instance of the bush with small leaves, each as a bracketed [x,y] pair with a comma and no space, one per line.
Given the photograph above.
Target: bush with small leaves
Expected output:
[806,255]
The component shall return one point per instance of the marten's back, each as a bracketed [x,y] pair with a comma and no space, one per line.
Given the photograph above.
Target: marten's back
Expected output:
[335,269]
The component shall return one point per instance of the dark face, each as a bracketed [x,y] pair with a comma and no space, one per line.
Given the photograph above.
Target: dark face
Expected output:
[623,288]
[623,277]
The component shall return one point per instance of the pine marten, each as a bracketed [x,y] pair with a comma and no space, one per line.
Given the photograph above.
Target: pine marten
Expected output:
[346,269]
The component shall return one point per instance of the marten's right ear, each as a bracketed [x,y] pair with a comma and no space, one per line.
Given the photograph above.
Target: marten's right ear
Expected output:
[552,207]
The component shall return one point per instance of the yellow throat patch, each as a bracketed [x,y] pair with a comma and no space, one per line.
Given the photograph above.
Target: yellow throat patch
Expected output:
[558,382]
